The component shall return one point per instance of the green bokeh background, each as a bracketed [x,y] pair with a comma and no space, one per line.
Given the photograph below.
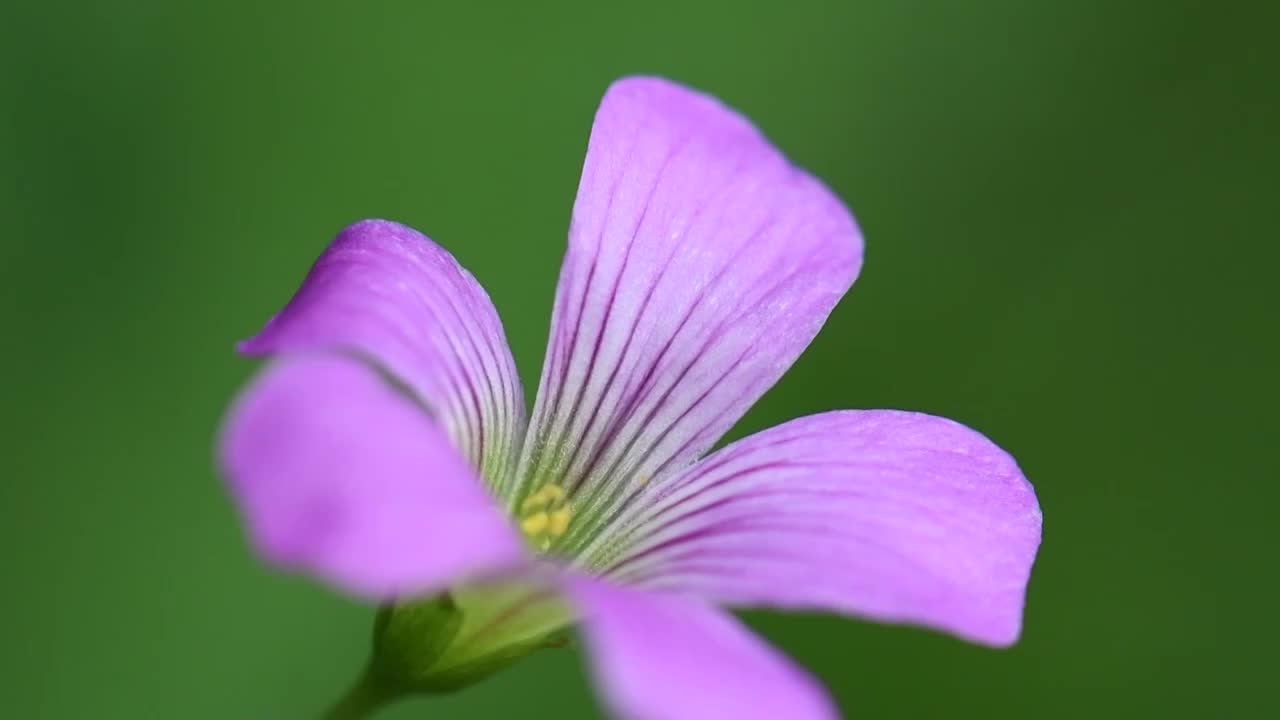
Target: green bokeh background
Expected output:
[1070,211]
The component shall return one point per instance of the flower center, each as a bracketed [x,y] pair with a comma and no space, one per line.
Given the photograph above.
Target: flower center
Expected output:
[545,515]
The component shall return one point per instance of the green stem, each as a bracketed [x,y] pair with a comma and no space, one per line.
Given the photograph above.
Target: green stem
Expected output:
[362,700]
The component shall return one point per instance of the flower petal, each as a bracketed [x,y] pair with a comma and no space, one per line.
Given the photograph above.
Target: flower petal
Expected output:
[700,264]
[388,293]
[661,657]
[889,515]
[341,476]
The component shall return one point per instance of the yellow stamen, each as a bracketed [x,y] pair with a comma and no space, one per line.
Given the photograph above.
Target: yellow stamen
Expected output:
[545,515]
[560,521]
[547,495]
[534,524]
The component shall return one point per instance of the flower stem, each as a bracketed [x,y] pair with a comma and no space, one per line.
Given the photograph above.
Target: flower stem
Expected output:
[364,698]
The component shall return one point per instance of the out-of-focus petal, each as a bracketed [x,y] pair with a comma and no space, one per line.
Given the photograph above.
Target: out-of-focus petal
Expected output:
[389,293]
[340,476]
[666,657]
[700,264]
[893,516]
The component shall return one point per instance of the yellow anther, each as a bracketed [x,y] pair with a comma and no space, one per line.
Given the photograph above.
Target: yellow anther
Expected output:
[560,521]
[546,495]
[534,524]
[545,515]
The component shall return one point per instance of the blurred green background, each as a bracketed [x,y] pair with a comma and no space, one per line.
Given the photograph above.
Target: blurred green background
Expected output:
[1070,211]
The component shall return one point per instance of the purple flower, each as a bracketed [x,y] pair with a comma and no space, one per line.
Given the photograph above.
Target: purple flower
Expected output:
[385,448]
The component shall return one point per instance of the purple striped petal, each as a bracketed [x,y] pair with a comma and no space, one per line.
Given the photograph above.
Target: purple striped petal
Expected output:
[388,293]
[665,657]
[893,516]
[339,475]
[700,264]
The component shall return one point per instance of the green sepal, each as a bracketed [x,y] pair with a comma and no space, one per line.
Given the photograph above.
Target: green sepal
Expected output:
[408,639]
[452,640]
[450,678]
